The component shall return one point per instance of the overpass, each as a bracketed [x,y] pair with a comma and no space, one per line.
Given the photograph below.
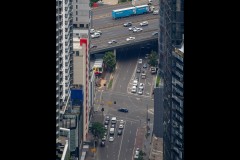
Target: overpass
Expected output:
[114,30]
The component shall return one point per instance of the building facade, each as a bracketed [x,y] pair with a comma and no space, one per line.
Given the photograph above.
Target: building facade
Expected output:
[170,38]
[81,13]
[63,52]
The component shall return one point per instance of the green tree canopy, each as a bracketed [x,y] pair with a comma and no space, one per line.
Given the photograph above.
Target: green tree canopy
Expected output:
[109,60]
[153,57]
[98,129]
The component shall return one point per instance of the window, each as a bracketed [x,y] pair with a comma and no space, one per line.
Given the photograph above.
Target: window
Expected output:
[77,53]
[76,12]
[76,18]
[81,25]
[76,6]
[76,1]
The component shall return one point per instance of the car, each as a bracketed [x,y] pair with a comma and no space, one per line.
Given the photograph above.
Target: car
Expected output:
[137,153]
[111,139]
[141,86]
[119,132]
[104,138]
[140,61]
[144,23]
[107,118]
[146,56]
[137,30]
[123,110]
[98,32]
[102,144]
[93,46]
[132,28]
[105,133]
[92,31]
[154,33]
[138,70]
[95,35]
[140,91]
[155,12]
[106,127]
[121,121]
[112,42]
[130,38]
[120,126]
[106,122]
[145,65]
[135,82]
[113,125]
[127,24]
[134,89]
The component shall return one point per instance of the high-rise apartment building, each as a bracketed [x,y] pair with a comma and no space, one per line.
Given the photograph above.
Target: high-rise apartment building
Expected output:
[81,13]
[171,71]
[63,52]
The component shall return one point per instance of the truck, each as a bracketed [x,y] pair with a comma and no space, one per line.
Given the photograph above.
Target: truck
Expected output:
[125,12]
[131,11]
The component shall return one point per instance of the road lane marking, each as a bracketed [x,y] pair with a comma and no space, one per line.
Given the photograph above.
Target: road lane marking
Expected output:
[121,143]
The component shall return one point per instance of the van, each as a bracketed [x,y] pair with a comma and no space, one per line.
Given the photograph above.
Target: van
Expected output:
[134,89]
[111,132]
[114,120]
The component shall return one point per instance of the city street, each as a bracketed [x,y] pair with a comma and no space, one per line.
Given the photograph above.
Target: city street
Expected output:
[133,136]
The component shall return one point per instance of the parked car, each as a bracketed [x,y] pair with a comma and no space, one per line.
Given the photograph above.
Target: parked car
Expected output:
[140,91]
[113,125]
[141,86]
[123,110]
[104,138]
[144,23]
[130,38]
[127,24]
[136,155]
[106,127]
[112,42]
[107,118]
[121,121]
[134,89]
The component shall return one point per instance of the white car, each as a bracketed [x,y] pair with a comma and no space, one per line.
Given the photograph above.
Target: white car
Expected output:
[145,23]
[134,89]
[140,61]
[92,31]
[136,153]
[104,138]
[112,42]
[111,139]
[95,35]
[98,32]
[132,28]
[120,126]
[130,38]
[121,121]
[155,12]
[140,91]
[141,86]
[137,30]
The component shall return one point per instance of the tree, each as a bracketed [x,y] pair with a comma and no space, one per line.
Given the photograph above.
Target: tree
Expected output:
[153,59]
[98,129]
[109,60]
